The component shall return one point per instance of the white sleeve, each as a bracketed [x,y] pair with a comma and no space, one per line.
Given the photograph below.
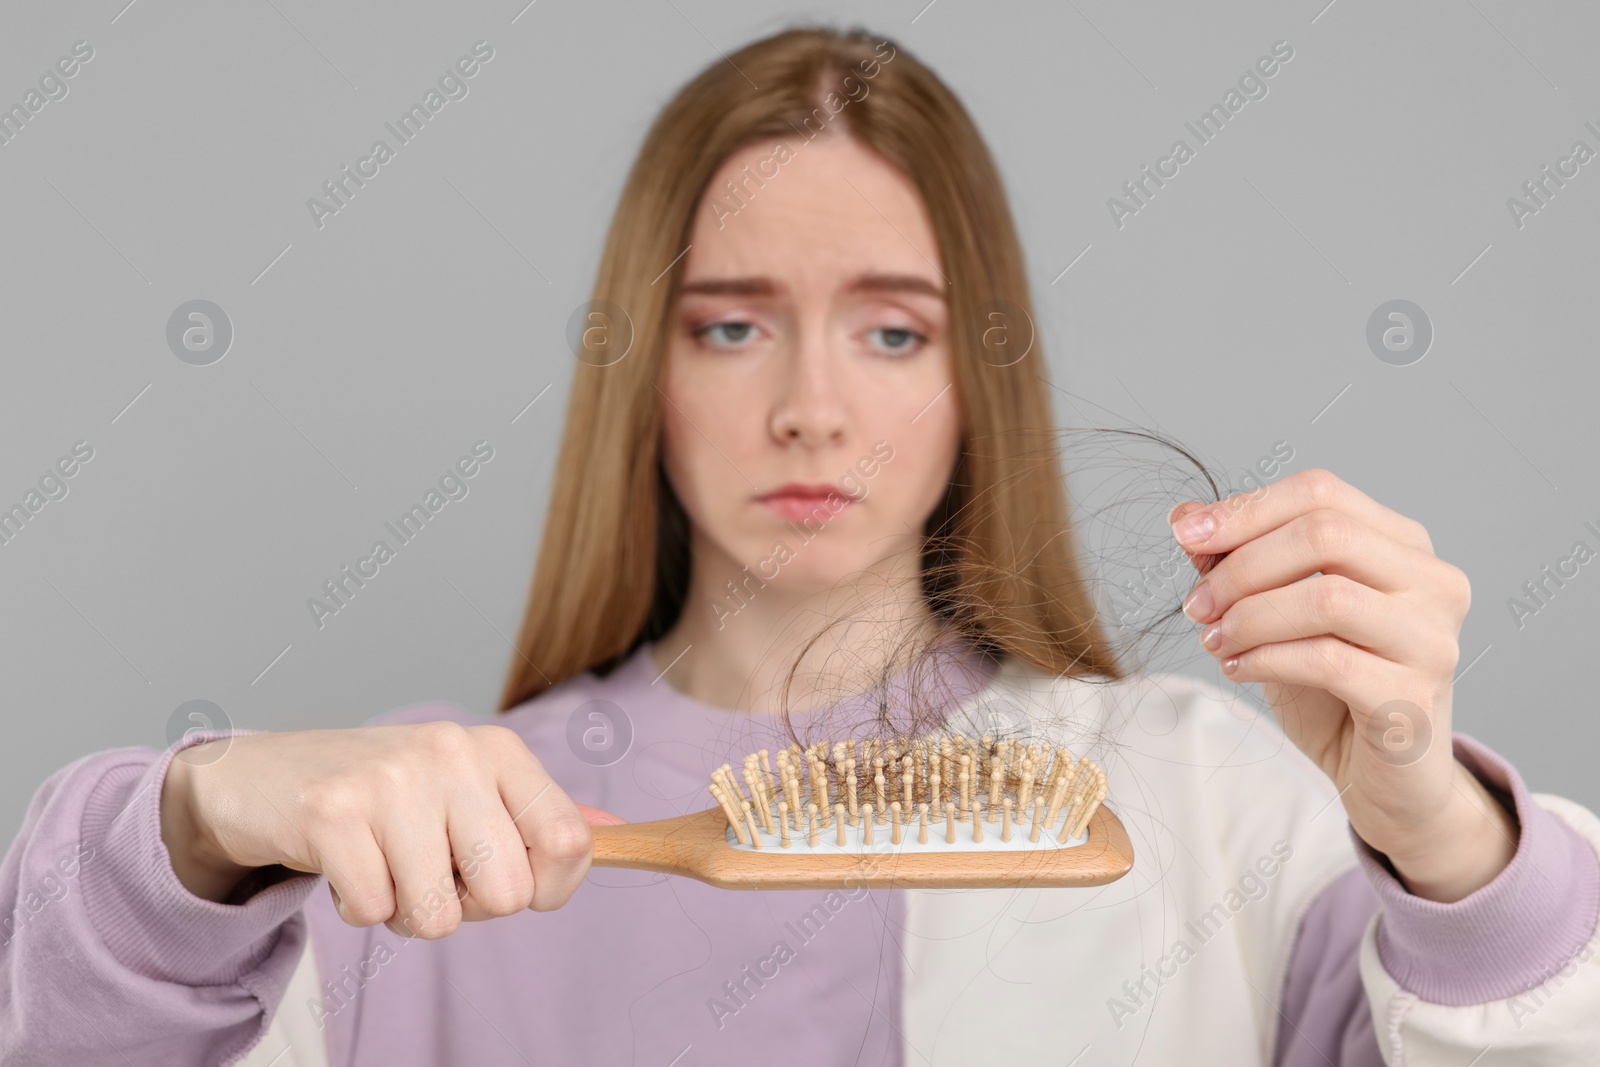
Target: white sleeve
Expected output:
[1556,1022]
[294,1039]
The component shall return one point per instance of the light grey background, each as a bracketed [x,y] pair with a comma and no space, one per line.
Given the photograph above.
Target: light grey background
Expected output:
[1230,312]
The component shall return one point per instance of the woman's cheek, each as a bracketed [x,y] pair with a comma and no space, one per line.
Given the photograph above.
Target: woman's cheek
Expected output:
[932,447]
[685,465]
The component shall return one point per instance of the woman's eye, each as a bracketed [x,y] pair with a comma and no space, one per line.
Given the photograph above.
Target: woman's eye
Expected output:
[733,332]
[898,339]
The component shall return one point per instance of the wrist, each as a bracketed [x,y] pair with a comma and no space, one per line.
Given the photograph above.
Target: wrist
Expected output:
[197,861]
[1473,841]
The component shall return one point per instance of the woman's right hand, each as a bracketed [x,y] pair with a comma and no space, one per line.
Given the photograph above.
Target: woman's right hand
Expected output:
[386,813]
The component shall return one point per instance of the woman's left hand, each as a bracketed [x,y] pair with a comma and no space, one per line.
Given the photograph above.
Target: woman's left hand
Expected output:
[1356,663]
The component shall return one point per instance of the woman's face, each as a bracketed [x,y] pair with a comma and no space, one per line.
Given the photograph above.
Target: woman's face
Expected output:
[808,356]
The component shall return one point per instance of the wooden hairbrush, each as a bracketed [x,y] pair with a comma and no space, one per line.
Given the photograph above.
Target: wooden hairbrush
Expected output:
[943,812]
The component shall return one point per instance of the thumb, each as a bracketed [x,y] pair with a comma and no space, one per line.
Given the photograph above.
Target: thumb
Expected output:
[599,817]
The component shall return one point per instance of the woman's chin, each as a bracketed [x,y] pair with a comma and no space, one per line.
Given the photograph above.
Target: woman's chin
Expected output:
[819,570]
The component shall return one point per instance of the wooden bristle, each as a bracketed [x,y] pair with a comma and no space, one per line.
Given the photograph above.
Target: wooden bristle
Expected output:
[735,817]
[1079,792]
[755,832]
[752,778]
[1088,809]
[819,788]
[1057,796]
[766,766]
[964,779]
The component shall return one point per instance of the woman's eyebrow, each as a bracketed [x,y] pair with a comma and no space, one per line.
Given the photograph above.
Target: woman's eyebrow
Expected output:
[732,287]
[871,282]
[895,283]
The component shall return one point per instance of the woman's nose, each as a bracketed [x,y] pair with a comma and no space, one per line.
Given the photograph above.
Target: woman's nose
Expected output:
[809,406]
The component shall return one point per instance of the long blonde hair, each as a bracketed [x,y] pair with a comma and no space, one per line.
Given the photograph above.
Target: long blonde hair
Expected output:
[999,562]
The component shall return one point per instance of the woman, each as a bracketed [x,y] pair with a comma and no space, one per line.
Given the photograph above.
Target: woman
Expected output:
[794,451]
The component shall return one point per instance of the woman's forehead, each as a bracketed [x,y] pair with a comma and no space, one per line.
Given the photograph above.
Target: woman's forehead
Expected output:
[834,211]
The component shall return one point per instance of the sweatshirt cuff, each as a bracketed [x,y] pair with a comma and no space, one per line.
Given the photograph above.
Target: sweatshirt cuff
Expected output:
[148,919]
[1506,937]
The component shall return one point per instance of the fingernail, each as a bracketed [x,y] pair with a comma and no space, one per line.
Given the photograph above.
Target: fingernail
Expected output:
[1195,527]
[1198,606]
[1211,637]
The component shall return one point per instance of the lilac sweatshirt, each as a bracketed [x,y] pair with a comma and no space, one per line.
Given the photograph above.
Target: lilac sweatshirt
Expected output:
[106,959]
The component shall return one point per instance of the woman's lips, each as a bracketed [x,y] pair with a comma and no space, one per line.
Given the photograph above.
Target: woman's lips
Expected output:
[796,502]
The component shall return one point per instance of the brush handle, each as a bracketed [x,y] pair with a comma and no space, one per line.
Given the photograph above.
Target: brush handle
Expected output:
[670,846]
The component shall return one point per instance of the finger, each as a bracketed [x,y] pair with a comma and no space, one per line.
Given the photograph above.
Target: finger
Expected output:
[1334,606]
[358,875]
[560,852]
[1201,561]
[559,842]
[1239,518]
[418,851]
[472,912]
[1323,540]
[599,817]
[491,860]
[1365,682]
